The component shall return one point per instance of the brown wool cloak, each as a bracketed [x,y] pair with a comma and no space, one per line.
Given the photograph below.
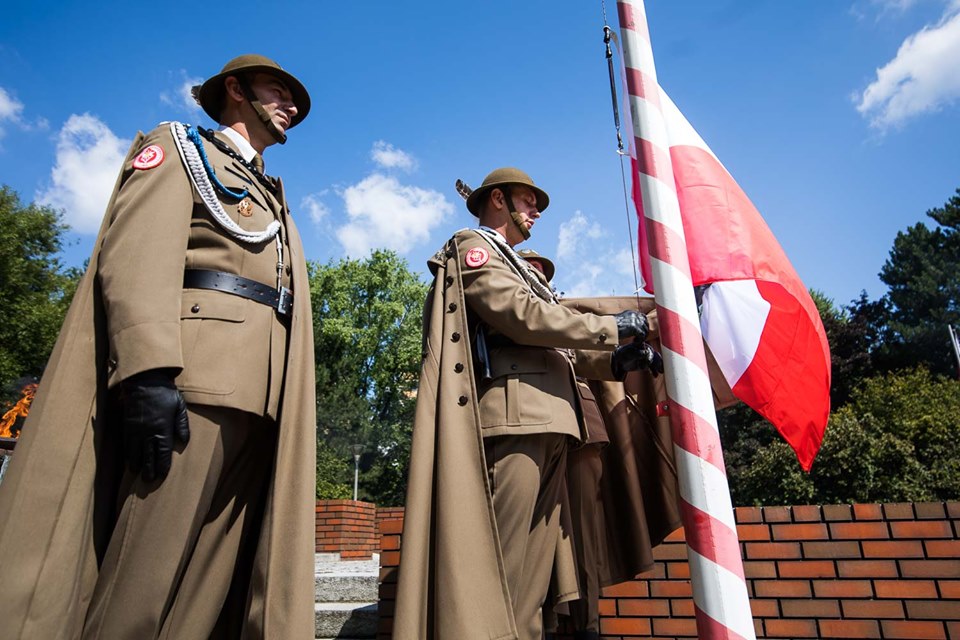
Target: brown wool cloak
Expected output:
[56,501]
[638,487]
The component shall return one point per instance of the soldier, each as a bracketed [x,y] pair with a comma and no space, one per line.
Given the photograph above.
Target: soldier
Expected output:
[496,408]
[164,485]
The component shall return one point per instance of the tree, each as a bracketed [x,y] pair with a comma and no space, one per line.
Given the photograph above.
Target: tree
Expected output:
[367,331]
[35,288]
[851,338]
[923,276]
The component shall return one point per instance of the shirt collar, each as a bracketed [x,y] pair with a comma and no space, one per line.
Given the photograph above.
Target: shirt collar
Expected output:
[247,151]
[486,228]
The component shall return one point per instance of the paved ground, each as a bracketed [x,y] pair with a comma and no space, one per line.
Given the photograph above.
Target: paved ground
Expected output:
[330,564]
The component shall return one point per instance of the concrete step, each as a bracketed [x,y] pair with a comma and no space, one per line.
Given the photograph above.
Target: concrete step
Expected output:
[343,620]
[346,588]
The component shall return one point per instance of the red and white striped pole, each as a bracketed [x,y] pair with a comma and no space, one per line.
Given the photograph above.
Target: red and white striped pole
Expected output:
[720,596]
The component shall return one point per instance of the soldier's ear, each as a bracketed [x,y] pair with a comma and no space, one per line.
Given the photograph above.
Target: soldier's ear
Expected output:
[233,90]
[498,198]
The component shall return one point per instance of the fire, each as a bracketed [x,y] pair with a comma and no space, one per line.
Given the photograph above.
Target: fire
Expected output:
[19,410]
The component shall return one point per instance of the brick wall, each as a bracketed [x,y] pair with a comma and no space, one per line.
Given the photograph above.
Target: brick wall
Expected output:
[347,527]
[838,571]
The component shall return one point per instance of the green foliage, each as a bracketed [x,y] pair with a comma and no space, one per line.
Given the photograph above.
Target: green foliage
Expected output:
[332,468]
[367,330]
[35,289]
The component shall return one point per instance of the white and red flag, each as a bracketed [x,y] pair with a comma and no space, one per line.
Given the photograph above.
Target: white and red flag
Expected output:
[760,322]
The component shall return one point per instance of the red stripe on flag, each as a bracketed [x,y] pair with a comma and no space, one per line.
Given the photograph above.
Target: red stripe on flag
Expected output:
[695,436]
[654,161]
[666,245]
[679,334]
[633,21]
[642,247]
[788,381]
[642,85]
[711,538]
[707,627]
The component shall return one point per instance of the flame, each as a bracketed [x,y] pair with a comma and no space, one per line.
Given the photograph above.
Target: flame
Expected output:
[19,410]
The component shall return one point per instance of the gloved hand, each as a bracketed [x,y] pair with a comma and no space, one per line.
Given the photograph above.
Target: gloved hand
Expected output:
[634,356]
[153,414]
[632,324]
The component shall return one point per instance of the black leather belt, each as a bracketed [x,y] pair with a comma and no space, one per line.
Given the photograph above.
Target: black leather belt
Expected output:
[281,300]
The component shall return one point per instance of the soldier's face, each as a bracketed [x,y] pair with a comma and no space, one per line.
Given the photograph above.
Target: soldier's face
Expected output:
[525,203]
[275,98]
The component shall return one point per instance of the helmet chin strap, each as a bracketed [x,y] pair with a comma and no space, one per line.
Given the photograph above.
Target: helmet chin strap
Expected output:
[265,118]
[515,215]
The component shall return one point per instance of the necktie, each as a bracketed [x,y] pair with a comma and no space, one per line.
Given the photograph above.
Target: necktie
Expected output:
[257,163]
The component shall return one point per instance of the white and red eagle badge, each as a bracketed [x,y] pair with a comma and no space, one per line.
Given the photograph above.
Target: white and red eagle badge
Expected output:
[476,257]
[149,158]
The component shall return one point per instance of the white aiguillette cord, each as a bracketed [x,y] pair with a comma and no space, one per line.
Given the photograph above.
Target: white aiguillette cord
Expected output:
[201,181]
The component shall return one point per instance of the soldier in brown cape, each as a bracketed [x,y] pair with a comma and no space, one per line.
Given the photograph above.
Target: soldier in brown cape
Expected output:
[496,407]
[164,484]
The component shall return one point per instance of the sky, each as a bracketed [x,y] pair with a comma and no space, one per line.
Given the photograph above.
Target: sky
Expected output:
[840,119]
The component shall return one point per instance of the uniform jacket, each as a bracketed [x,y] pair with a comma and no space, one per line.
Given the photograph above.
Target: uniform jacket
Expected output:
[451,581]
[130,314]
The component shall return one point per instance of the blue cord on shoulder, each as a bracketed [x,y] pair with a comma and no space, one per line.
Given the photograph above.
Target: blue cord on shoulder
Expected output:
[194,136]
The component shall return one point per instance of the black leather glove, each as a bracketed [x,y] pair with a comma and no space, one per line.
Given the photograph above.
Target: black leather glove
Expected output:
[153,414]
[634,356]
[632,324]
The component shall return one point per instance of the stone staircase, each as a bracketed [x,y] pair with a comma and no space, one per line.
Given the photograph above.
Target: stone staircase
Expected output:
[346,597]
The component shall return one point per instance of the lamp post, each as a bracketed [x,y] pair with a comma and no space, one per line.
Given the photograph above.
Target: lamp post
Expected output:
[357,450]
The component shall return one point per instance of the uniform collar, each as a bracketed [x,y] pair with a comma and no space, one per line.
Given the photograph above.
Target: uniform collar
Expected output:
[486,228]
[247,151]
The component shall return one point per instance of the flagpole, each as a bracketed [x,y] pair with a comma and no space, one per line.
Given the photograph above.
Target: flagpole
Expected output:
[720,597]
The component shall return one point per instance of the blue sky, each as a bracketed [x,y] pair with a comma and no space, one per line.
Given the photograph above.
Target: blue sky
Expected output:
[839,118]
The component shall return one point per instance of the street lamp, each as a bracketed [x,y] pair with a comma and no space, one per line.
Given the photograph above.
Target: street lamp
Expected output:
[357,450]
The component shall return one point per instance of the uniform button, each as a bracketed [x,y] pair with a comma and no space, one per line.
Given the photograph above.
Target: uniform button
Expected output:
[463,400]
[452,307]
[449,280]
[458,367]
[513,367]
[112,362]
[603,337]
[195,308]
[455,337]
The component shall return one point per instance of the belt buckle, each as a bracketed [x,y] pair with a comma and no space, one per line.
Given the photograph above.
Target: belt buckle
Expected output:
[285,303]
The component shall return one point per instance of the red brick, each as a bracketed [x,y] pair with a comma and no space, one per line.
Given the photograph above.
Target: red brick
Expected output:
[859,531]
[922,529]
[631,589]
[953,509]
[867,568]
[753,532]
[772,550]
[670,589]
[762,608]
[760,569]
[933,610]
[808,531]
[939,568]
[781,588]
[388,574]
[898,511]
[790,629]
[892,549]
[907,589]
[930,510]
[953,630]
[675,627]
[657,572]
[749,514]
[676,535]
[911,629]
[807,569]
[390,559]
[625,627]
[837,512]
[831,550]
[867,512]
[678,571]
[682,608]
[607,607]
[390,543]
[810,608]
[670,552]
[873,609]
[776,514]
[850,628]
[807,513]
[942,548]
[949,589]
[842,588]
[391,526]
[643,607]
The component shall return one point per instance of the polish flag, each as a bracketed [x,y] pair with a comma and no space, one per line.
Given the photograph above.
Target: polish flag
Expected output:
[758,319]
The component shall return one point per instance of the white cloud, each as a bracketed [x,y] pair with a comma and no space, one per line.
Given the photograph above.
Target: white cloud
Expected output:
[179,97]
[10,109]
[382,213]
[89,156]
[316,208]
[389,157]
[921,78]
[573,231]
